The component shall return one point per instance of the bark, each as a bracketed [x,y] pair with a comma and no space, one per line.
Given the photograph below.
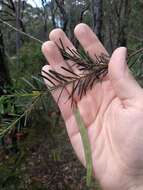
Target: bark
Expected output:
[82,13]
[51,6]
[97,17]
[53,12]
[123,13]
[117,15]
[64,16]
[18,40]
[12,7]
[4,73]
[45,17]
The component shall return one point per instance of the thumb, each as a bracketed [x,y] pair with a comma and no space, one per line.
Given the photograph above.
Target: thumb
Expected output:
[124,84]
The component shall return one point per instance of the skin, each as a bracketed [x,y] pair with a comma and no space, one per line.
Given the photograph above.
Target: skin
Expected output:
[112,112]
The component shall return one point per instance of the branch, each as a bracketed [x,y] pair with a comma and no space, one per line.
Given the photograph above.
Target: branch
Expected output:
[21,32]
[8,13]
[63,12]
[12,5]
[135,53]
[8,19]
[82,13]
[7,5]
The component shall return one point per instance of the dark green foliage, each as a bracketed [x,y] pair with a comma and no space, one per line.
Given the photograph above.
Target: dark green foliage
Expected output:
[31,62]
[4,71]
[27,91]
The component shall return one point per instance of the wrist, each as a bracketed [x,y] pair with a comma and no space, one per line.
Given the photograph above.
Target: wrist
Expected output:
[137,188]
[136,185]
[125,183]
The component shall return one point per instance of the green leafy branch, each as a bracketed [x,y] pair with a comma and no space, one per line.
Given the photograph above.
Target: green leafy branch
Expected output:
[8,126]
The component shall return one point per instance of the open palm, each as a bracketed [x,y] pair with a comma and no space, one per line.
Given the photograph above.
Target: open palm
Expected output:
[112,112]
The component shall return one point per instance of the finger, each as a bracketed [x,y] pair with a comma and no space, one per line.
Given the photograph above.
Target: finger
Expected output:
[66,111]
[61,96]
[58,36]
[61,99]
[124,84]
[64,105]
[89,40]
[53,56]
[55,59]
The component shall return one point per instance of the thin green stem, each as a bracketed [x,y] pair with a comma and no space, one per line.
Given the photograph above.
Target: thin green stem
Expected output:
[86,146]
[21,32]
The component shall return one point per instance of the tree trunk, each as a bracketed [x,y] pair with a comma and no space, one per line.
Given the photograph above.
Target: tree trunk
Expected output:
[64,16]
[17,14]
[4,73]
[116,16]
[123,23]
[52,10]
[97,17]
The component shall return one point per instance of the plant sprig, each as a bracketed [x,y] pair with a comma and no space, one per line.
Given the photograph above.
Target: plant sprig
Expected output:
[7,127]
[81,73]
[89,71]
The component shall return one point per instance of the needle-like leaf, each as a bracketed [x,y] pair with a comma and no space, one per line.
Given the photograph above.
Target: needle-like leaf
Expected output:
[90,71]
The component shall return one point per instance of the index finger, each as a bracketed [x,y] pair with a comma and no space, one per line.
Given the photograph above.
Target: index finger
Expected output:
[89,40]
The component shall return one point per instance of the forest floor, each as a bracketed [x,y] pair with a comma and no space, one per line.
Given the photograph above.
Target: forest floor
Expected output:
[44,160]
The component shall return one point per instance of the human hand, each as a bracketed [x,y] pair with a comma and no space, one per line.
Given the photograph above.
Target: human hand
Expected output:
[112,112]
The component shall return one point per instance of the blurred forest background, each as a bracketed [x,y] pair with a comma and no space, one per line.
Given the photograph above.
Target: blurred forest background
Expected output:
[35,153]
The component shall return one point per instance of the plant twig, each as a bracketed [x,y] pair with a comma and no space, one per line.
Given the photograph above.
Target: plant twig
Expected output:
[21,32]
[27,112]
[134,53]
[89,71]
